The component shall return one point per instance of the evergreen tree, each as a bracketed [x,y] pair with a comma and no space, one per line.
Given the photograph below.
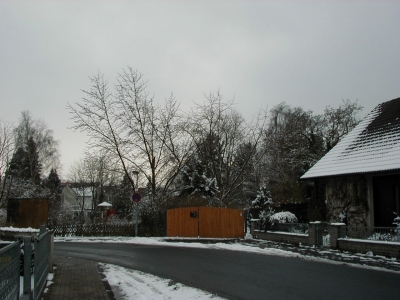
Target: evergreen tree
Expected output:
[52,182]
[19,165]
[262,207]
[35,166]
[194,182]
[53,189]
[25,163]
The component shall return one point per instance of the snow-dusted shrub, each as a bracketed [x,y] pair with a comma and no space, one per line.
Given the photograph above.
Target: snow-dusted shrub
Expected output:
[383,237]
[263,203]
[118,220]
[283,217]
[263,198]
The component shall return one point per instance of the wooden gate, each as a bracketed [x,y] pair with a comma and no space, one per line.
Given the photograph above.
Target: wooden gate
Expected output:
[207,222]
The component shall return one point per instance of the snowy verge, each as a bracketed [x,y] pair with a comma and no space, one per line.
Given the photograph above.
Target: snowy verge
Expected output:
[370,241]
[132,284]
[163,242]
[15,229]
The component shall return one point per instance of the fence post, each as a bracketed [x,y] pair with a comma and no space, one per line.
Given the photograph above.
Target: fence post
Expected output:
[42,229]
[334,233]
[51,249]
[312,234]
[253,224]
[27,288]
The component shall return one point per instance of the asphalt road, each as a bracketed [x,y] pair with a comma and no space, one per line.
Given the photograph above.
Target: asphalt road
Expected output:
[242,275]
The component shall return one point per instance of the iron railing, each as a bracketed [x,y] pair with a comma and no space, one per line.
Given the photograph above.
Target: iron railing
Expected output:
[290,227]
[385,234]
[9,271]
[108,230]
[301,228]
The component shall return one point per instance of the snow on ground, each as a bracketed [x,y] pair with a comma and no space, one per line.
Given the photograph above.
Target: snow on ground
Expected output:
[131,284]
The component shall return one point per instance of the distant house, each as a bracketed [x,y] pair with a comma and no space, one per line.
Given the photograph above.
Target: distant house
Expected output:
[359,179]
[68,196]
[84,197]
[76,199]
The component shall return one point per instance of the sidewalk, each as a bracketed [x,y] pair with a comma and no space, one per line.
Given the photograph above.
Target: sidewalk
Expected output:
[76,278]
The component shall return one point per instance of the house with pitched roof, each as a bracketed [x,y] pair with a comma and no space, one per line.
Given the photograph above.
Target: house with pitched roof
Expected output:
[359,179]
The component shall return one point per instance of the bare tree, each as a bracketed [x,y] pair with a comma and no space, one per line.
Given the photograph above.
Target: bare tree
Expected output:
[6,151]
[79,178]
[339,122]
[47,147]
[101,175]
[128,125]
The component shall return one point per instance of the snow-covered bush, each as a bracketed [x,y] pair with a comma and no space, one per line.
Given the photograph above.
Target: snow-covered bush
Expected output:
[283,217]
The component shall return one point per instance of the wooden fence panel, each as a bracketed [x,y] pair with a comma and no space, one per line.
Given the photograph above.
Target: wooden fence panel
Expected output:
[236,222]
[181,223]
[218,222]
[211,222]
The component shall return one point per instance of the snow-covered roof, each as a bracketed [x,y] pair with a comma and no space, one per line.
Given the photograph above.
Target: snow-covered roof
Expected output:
[372,146]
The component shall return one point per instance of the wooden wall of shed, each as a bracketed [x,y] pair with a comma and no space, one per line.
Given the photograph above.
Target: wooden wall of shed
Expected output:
[24,213]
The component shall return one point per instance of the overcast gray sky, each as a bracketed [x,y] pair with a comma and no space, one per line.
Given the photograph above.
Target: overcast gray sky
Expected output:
[305,53]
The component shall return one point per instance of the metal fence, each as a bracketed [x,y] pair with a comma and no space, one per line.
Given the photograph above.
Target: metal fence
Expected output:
[152,229]
[9,271]
[93,230]
[42,260]
[301,228]
[322,237]
[290,227]
[385,234]
[34,259]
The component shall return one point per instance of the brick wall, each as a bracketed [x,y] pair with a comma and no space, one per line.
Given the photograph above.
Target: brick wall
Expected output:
[377,248]
[282,237]
[389,249]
